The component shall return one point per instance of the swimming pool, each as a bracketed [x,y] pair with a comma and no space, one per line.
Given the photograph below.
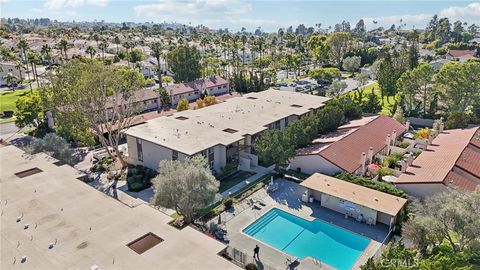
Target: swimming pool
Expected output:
[301,238]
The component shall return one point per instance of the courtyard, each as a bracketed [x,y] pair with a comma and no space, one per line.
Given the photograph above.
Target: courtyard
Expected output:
[287,198]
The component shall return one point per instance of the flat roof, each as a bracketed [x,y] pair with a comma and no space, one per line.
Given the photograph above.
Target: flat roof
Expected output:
[434,164]
[193,131]
[373,199]
[89,227]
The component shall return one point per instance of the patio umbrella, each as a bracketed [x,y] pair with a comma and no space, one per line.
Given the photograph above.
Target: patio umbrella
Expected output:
[373,167]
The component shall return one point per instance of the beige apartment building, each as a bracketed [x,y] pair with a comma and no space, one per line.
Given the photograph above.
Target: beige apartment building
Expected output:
[223,133]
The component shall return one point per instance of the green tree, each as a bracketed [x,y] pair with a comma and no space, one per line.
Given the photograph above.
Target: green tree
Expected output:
[183,105]
[136,55]
[351,63]
[418,82]
[337,87]
[165,99]
[329,118]
[157,51]
[11,80]
[90,96]
[91,51]
[372,104]
[184,61]
[272,148]
[459,84]
[29,110]
[338,44]
[301,132]
[187,186]
[456,120]
[328,74]
[55,146]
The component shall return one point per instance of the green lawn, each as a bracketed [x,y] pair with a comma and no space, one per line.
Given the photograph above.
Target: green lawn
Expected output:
[386,107]
[233,180]
[8,99]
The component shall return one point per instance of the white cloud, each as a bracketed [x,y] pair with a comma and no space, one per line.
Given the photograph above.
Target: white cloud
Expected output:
[469,12]
[60,4]
[408,19]
[194,10]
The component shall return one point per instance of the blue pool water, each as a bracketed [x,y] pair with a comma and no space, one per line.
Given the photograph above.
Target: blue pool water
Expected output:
[301,238]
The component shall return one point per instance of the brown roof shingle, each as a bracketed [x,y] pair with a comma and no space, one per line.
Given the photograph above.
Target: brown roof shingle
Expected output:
[460,181]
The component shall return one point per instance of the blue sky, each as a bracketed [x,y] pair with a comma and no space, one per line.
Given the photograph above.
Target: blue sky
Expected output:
[234,14]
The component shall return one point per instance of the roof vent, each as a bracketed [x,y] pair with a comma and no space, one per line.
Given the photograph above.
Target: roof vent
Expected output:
[296,106]
[144,243]
[28,172]
[252,98]
[230,130]
[181,118]
[376,199]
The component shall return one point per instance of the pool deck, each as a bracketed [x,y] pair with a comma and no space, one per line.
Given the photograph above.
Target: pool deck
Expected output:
[287,198]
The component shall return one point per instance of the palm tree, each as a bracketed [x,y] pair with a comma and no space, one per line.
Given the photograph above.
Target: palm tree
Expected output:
[33,59]
[103,47]
[244,40]
[19,66]
[117,41]
[91,51]
[23,46]
[128,45]
[63,46]
[10,79]
[46,52]
[157,49]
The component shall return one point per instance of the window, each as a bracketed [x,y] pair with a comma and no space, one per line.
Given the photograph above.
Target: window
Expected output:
[139,149]
[28,172]
[210,156]
[174,155]
[144,243]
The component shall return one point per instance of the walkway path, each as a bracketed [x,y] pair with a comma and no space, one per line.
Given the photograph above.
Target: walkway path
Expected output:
[259,173]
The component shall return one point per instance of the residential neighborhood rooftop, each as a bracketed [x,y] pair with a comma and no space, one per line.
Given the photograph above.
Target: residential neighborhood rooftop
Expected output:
[453,158]
[192,131]
[377,200]
[59,222]
[346,144]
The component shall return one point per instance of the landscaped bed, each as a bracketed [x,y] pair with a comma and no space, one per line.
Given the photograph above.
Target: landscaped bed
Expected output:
[234,179]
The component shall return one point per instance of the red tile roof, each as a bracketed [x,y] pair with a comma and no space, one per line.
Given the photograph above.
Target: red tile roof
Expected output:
[452,150]
[461,53]
[346,152]
[475,141]
[457,180]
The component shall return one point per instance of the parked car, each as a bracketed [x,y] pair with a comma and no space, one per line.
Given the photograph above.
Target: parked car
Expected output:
[292,84]
[276,88]
[298,89]
[283,84]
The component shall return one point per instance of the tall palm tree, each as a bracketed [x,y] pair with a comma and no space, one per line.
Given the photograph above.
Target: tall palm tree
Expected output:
[244,40]
[117,41]
[19,66]
[23,46]
[33,59]
[128,45]
[91,51]
[157,49]
[46,52]
[63,46]
[103,47]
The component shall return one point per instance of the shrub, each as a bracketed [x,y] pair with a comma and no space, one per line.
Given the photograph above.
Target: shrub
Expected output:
[402,144]
[362,181]
[7,114]
[228,203]
[251,266]
[392,159]
[139,178]
[456,120]
[423,133]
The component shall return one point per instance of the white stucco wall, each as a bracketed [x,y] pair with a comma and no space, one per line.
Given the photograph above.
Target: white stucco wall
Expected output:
[422,191]
[312,164]
[215,91]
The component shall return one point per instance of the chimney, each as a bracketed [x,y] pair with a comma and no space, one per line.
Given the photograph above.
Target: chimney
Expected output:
[442,126]
[388,141]
[425,145]
[410,160]
[430,138]
[370,155]
[404,165]
[394,137]
[407,125]
[363,158]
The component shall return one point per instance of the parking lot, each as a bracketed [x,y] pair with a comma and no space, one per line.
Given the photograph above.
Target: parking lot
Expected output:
[302,85]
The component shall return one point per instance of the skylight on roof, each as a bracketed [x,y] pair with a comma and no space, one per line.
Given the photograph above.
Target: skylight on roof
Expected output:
[28,172]
[144,243]
[296,106]
[181,118]
[230,130]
